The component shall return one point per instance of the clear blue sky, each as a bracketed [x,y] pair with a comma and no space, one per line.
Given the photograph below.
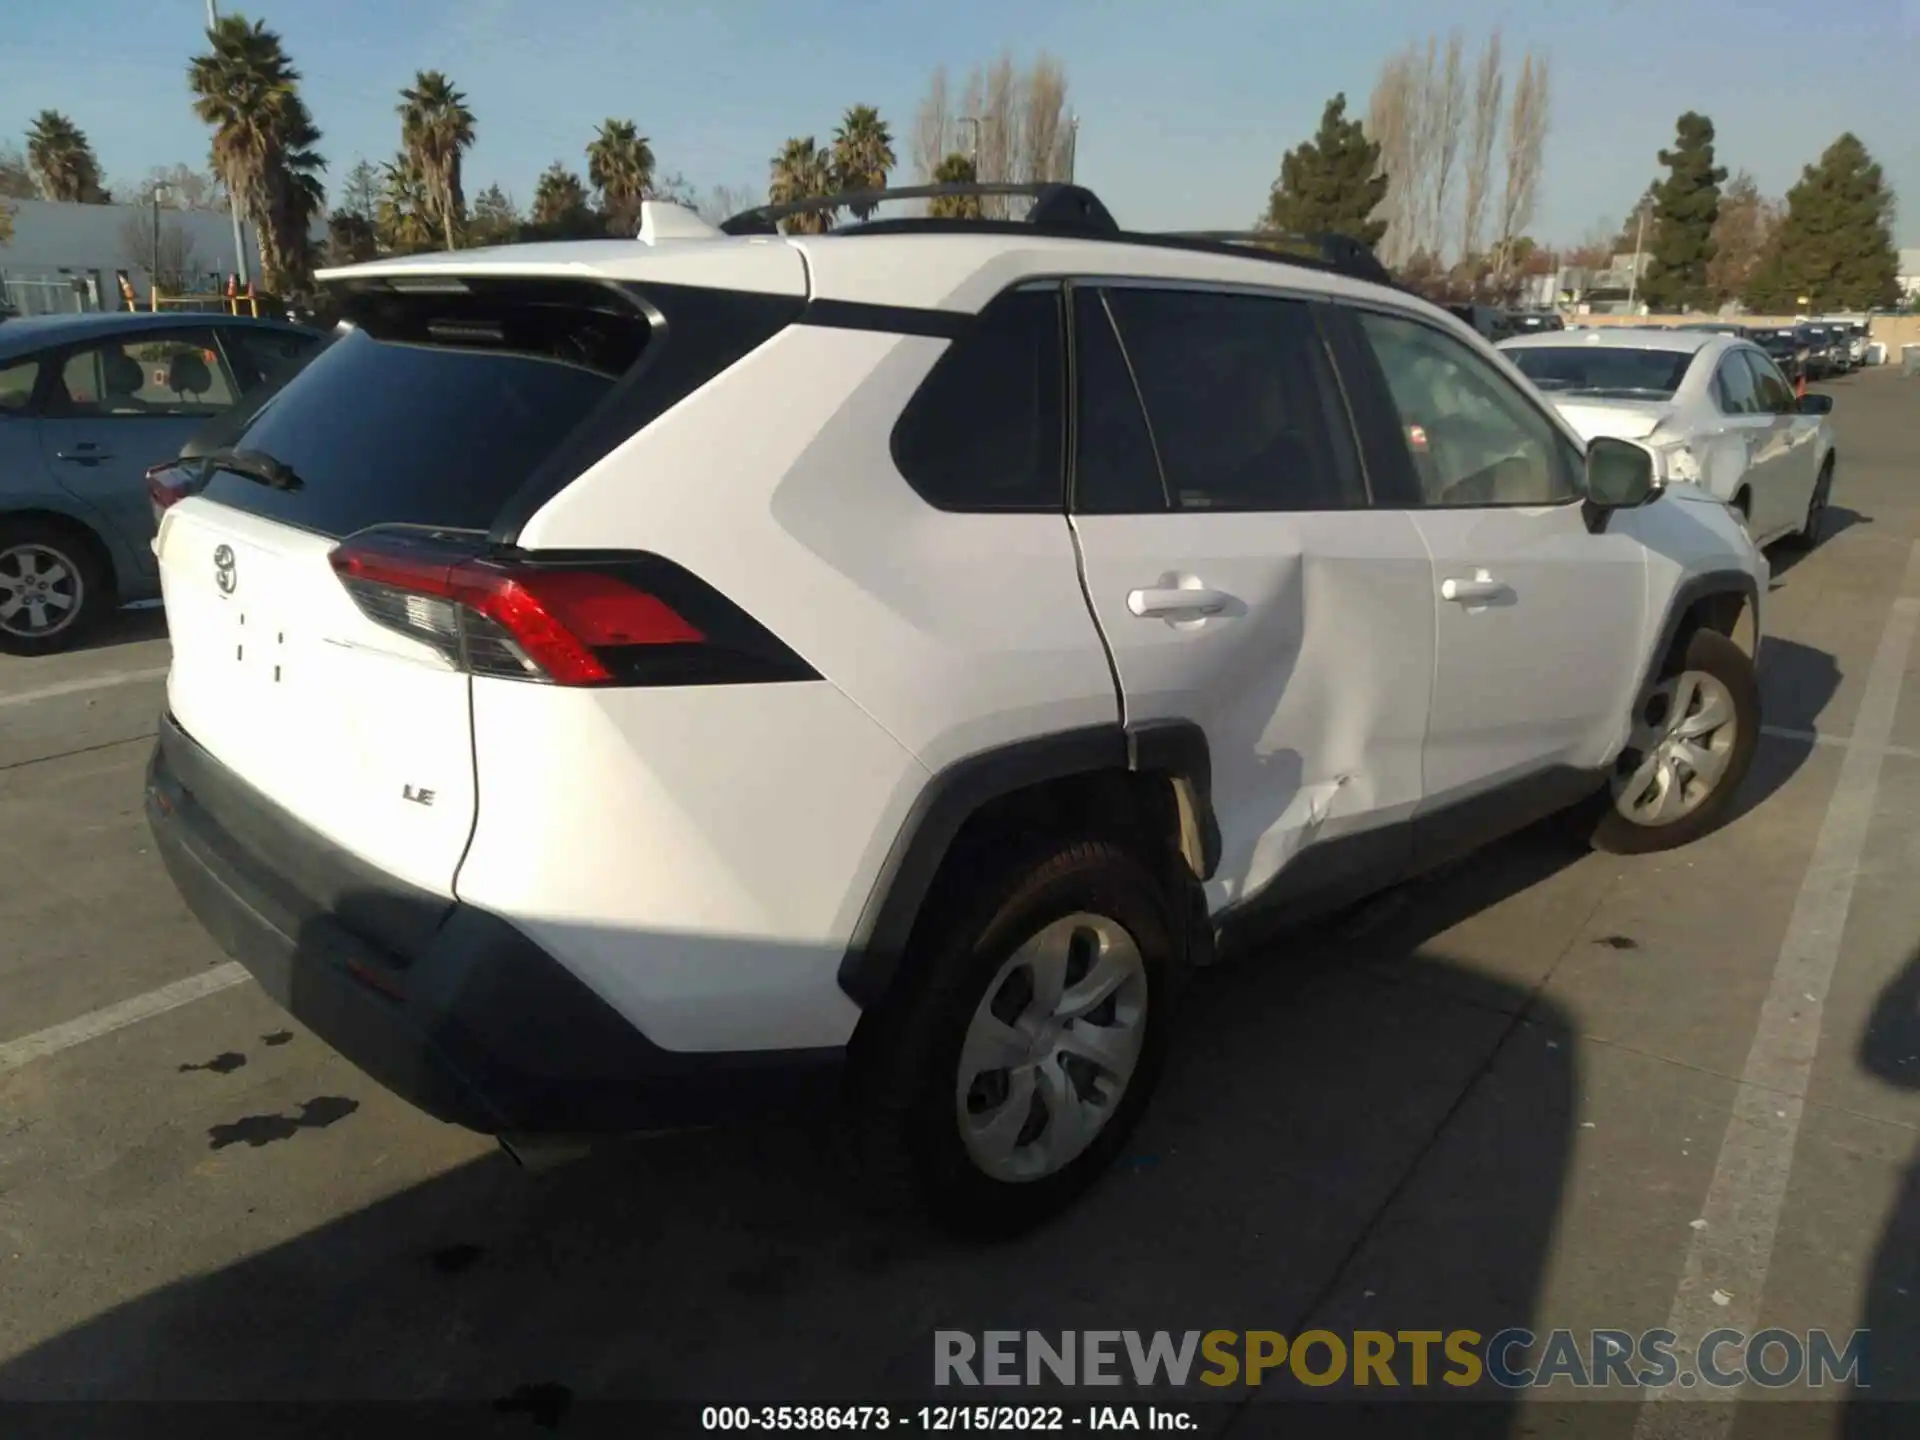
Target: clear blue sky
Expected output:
[1185,109]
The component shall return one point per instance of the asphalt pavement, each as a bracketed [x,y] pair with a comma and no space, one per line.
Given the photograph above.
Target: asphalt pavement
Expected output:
[1545,1089]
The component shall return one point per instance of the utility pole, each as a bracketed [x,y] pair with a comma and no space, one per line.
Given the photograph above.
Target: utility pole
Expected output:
[1073,144]
[1639,245]
[233,200]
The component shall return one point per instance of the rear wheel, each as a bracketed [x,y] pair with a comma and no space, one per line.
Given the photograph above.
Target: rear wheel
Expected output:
[1808,535]
[52,587]
[1692,743]
[1033,1037]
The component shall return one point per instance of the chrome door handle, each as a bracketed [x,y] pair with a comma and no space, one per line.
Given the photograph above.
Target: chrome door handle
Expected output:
[1171,600]
[1479,587]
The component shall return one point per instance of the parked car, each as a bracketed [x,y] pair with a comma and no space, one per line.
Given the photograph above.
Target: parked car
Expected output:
[1493,323]
[579,752]
[87,404]
[1714,409]
[1825,352]
[1786,348]
[1535,322]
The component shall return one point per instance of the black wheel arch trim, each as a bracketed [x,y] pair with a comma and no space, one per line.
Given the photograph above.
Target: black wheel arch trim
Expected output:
[1688,593]
[954,795]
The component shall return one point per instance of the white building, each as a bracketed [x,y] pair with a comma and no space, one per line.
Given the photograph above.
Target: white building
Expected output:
[64,257]
[1910,273]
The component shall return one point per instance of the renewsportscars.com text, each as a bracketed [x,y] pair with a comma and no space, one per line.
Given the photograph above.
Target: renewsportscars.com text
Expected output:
[1512,1359]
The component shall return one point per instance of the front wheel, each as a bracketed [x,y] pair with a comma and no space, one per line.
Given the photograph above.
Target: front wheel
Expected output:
[1692,743]
[1032,1039]
[1808,535]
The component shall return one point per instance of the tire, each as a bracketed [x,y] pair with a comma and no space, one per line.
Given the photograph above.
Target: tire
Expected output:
[1712,672]
[41,566]
[1808,535]
[1077,902]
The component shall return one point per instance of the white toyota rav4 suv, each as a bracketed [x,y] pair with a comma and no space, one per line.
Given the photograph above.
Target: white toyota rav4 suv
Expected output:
[628,684]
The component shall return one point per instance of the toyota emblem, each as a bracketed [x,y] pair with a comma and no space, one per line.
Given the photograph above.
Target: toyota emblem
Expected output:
[224,575]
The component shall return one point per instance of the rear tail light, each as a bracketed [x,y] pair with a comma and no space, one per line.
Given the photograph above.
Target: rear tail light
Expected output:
[623,619]
[168,484]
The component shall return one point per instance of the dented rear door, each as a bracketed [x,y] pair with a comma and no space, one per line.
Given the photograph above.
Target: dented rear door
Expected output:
[1242,581]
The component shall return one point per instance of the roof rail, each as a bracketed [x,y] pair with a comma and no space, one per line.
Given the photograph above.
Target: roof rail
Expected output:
[1056,206]
[1340,253]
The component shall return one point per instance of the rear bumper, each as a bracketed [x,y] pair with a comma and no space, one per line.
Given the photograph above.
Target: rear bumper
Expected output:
[449,1006]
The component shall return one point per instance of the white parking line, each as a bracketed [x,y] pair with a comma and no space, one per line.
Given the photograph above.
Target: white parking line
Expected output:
[80,687]
[1835,742]
[1728,1258]
[55,1038]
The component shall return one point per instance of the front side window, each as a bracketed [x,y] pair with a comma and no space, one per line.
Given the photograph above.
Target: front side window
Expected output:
[167,374]
[1241,400]
[1733,388]
[1473,437]
[983,431]
[1776,396]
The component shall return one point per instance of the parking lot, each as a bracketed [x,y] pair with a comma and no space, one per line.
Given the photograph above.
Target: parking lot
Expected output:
[1545,1089]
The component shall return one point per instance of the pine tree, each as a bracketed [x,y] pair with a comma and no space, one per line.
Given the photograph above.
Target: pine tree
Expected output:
[1332,184]
[1686,205]
[1835,246]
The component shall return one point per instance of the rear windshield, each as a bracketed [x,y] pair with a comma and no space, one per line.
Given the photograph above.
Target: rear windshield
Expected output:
[434,409]
[1602,370]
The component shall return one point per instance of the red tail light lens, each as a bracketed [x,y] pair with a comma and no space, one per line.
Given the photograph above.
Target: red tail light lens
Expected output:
[169,484]
[620,620]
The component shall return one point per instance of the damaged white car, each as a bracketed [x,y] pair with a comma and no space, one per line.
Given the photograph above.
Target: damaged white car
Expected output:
[1714,409]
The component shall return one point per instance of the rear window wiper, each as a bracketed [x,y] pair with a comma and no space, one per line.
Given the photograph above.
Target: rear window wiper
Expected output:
[254,465]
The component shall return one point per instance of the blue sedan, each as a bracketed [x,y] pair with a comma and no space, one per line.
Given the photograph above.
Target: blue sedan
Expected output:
[87,404]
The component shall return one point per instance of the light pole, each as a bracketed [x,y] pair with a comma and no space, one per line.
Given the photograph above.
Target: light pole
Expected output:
[161,194]
[233,200]
[1639,245]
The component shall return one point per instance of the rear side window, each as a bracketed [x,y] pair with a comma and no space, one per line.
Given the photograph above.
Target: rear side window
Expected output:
[434,409]
[17,379]
[983,432]
[1241,399]
[1115,471]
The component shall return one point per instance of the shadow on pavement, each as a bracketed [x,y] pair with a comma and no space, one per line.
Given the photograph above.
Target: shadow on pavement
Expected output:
[1783,558]
[1325,1119]
[1890,1051]
[124,627]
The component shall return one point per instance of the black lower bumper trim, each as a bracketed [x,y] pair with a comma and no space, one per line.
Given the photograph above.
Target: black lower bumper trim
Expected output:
[457,1011]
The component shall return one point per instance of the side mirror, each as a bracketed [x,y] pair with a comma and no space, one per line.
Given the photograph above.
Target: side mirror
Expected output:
[1619,474]
[1814,404]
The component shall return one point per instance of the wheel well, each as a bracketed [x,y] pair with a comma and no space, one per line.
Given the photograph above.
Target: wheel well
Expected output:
[1728,613]
[78,530]
[1742,501]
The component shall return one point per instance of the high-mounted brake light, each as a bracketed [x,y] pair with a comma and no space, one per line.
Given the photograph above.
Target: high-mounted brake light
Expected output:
[622,621]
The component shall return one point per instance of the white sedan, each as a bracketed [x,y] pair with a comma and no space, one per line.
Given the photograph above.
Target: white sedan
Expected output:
[1712,407]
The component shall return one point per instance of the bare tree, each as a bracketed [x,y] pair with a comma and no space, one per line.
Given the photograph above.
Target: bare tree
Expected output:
[933,127]
[1526,146]
[169,257]
[1391,120]
[1446,111]
[1045,134]
[1483,138]
[722,202]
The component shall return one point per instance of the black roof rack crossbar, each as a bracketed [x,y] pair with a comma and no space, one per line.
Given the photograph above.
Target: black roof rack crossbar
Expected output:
[1341,253]
[1056,206]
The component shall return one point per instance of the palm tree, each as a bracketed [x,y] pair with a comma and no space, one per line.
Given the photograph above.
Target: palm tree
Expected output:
[62,160]
[956,169]
[404,216]
[862,155]
[620,165]
[246,88]
[437,128]
[801,171]
[561,207]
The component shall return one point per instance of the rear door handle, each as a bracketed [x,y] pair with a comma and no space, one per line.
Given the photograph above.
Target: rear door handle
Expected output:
[1471,588]
[84,456]
[1172,600]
